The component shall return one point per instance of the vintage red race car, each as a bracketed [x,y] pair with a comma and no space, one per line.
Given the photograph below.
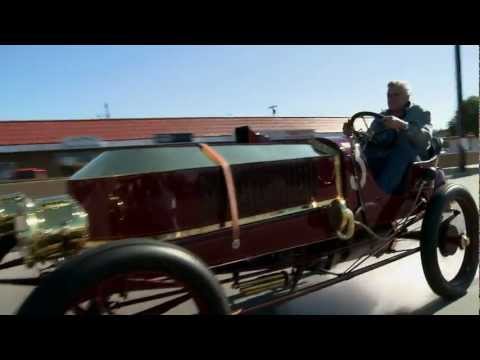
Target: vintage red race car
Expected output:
[230,228]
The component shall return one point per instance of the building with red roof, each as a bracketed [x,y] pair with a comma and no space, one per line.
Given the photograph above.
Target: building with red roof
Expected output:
[55,131]
[53,144]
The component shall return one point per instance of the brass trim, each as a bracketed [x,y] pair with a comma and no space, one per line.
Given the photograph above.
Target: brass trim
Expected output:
[92,244]
[338,176]
[323,148]
[243,221]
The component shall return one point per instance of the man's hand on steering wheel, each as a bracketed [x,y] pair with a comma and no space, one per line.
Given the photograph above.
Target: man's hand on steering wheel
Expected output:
[393,122]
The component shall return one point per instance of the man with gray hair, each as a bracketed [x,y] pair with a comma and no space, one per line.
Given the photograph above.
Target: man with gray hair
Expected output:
[406,134]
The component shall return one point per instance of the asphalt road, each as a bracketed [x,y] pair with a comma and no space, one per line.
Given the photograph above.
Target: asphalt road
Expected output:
[397,288]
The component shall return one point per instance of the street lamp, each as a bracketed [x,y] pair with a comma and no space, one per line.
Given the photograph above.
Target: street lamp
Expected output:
[274,109]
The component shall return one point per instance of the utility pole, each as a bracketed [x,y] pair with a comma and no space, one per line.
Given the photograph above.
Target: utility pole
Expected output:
[460,117]
[107,111]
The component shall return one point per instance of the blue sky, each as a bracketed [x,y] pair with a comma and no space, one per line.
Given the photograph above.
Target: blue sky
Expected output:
[73,82]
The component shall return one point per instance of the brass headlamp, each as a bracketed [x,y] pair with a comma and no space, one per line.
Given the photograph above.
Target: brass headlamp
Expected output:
[44,228]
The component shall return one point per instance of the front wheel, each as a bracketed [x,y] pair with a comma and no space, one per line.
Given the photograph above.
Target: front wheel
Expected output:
[449,244]
[129,277]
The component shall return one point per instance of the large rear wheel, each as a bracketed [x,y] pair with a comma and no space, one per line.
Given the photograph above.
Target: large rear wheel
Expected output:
[449,242]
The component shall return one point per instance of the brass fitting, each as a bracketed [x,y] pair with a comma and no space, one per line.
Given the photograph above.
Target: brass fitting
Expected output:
[44,228]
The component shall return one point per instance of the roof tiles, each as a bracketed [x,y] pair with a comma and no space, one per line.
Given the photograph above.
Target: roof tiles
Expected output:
[55,131]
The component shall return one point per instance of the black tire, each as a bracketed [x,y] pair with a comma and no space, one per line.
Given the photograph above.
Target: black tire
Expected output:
[60,288]
[457,286]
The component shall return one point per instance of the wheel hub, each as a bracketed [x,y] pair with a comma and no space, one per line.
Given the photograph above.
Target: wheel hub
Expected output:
[464,241]
[450,240]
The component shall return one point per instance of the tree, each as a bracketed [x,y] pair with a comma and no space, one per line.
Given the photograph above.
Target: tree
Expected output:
[470,117]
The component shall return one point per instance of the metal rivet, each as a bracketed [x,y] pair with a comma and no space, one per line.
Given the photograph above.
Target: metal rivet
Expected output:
[236,244]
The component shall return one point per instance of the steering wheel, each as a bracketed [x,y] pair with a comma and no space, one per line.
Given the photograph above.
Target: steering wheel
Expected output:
[363,136]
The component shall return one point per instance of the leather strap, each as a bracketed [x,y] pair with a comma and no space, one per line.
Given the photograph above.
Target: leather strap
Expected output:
[213,155]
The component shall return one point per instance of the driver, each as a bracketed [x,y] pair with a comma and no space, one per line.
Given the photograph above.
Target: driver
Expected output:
[404,135]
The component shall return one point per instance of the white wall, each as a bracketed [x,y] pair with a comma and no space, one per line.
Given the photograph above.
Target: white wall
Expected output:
[472,144]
